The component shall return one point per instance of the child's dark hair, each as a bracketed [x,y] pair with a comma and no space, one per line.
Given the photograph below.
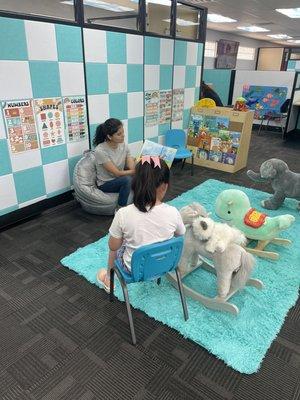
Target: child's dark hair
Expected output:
[145,182]
[109,127]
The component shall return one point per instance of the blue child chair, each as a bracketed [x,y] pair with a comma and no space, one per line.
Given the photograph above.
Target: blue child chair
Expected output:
[150,262]
[176,138]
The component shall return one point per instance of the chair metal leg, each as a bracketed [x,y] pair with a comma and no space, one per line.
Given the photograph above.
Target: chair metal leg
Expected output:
[129,313]
[182,295]
[182,164]
[111,285]
[192,165]
[259,130]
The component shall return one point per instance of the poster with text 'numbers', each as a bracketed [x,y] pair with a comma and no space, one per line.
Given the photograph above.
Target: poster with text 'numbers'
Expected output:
[50,121]
[75,116]
[20,125]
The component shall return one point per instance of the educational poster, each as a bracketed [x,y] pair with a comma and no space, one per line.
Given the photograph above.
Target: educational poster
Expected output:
[50,121]
[20,125]
[264,100]
[178,104]
[152,107]
[165,106]
[155,149]
[212,138]
[75,116]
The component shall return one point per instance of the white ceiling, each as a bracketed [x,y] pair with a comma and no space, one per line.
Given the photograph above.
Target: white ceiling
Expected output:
[254,12]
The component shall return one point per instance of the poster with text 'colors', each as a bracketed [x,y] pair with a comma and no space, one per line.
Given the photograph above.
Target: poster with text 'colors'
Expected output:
[76,120]
[20,125]
[50,121]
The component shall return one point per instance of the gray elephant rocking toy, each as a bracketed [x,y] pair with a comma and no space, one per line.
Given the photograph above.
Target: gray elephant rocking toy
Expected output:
[285,183]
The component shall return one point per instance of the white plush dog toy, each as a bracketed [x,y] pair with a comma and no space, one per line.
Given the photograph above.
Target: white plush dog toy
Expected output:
[218,242]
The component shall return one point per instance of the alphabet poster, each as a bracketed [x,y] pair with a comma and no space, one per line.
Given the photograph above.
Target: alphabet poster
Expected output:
[76,121]
[50,121]
[178,104]
[165,106]
[152,107]
[20,125]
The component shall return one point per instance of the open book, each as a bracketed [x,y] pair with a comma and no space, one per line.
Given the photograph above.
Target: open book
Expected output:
[154,149]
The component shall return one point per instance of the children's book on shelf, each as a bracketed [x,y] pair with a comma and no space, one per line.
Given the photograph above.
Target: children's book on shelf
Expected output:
[155,149]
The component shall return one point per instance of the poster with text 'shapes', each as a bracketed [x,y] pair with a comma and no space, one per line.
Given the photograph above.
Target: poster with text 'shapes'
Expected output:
[20,125]
[76,120]
[50,121]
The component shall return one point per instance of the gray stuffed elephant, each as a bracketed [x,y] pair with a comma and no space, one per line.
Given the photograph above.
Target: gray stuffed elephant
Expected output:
[285,183]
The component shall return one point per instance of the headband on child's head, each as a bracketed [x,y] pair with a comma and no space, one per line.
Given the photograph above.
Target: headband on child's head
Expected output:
[148,159]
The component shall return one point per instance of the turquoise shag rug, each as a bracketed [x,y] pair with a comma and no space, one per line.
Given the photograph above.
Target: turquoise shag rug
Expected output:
[240,341]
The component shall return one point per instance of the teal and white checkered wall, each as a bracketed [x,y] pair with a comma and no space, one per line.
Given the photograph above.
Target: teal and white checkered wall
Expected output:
[38,60]
[115,81]
[187,76]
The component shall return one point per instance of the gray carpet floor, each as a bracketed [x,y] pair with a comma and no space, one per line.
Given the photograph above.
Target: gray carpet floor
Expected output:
[60,338]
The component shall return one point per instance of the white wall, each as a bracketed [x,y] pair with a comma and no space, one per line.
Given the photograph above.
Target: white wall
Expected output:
[214,36]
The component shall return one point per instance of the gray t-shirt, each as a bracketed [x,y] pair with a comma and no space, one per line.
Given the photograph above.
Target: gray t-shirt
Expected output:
[105,153]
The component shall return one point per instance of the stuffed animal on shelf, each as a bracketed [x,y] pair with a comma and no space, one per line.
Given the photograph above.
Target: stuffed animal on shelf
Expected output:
[240,104]
[284,182]
[233,206]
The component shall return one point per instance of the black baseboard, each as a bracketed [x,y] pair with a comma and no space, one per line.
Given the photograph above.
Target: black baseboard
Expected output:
[15,217]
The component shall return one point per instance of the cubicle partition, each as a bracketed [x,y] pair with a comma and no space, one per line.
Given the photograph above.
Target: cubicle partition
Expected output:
[222,81]
[66,76]
[263,79]
[293,122]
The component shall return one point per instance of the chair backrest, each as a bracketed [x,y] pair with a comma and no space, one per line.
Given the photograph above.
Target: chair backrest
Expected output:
[154,260]
[175,138]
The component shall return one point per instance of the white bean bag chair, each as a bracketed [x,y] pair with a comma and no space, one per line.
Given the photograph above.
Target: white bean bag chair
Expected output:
[92,199]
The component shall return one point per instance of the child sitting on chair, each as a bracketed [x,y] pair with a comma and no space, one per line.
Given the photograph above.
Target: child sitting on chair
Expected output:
[148,220]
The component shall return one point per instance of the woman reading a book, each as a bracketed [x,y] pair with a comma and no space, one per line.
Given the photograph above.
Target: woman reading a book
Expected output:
[114,164]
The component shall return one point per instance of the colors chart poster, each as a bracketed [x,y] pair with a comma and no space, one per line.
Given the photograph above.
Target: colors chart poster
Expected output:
[76,120]
[50,121]
[20,125]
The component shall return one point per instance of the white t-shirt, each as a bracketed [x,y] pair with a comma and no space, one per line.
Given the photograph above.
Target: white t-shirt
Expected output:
[138,228]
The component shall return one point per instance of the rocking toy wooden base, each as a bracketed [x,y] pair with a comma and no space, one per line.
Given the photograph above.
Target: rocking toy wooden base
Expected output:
[260,251]
[214,303]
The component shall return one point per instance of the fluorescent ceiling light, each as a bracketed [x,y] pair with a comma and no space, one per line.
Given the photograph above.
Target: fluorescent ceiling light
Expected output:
[101,4]
[294,41]
[290,12]
[219,18]
[253,28]
[182,22]
[280,36]
[161,2]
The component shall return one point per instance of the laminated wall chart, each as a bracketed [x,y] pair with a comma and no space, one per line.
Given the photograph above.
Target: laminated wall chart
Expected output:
[75,116]
[50,121]
[165,106]
[152,107]
[20,125]
[178,104]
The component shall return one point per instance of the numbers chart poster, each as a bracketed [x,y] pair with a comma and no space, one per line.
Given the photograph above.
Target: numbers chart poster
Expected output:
[20,125]
[152,102]
[165,106]
[76,121]
[50,121]
[178,104]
